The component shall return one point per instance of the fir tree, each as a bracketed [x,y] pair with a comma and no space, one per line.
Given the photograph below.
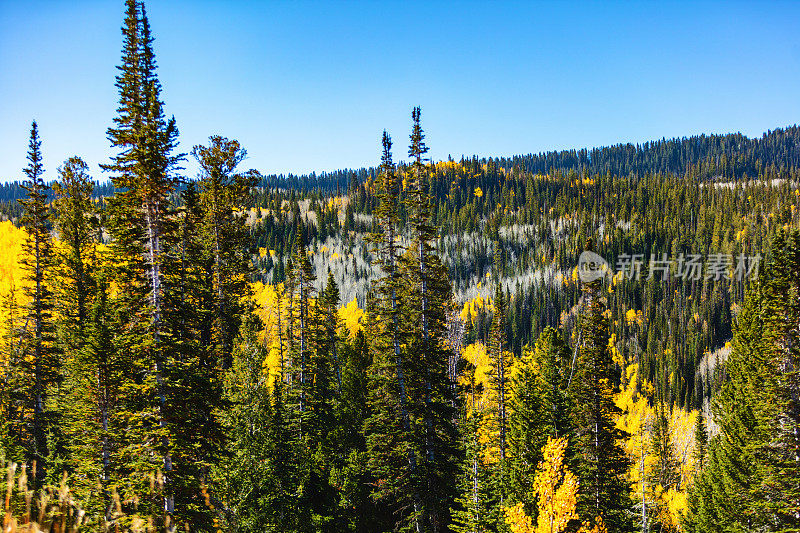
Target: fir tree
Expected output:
[539,409]
[223,191]
[93,386]
[76,223]
[140,224]
[700,442]
[748,482]
[392,456]
[356,506]
[262,479]
[39,359]
[666,472]
[602,463]
[10,403]
[427,298]
[499,378]
[329,305]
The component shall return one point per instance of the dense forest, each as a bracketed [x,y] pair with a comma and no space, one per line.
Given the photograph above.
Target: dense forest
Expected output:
[413,346]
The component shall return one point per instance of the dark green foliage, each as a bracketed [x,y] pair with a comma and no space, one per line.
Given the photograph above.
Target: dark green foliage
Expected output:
[540,408]
[38,372]
[92,386]
[76,223]
[391,447]
[499,368]
[701,442]
[666,471]
[602,465]
[477,506]
[751,481]
[427,296]
[411,435]
[262,474]
[222,192]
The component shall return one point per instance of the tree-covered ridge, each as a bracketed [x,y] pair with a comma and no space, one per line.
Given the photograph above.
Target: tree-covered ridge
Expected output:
[730,156]
[542,222]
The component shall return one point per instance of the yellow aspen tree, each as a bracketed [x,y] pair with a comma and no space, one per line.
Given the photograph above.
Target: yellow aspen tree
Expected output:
[599,526]
[517,520]
[556,489]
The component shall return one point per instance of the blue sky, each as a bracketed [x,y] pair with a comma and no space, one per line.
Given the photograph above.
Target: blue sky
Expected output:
[310,85]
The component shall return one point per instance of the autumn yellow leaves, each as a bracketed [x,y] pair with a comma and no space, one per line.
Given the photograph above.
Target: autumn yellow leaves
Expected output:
[556,491]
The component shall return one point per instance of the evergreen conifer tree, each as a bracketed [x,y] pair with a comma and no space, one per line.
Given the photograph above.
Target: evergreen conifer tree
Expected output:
[602,463]
[391,449]
[141,227]
[427,298]
[76,224]
[748,482]
[262,479]
[39,360]
[539,409]
[223,191]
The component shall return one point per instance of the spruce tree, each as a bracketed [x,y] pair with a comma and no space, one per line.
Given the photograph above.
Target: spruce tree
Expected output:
[261,481]
[39,360]
[329,304]
[428,298]
[749,481]
[76,224]
[141,226]
[222,192]
[391,450]
[603,465]
[90,371]
[539,409]
[93,386]
[9,402]
[700,442]
[499,377]
[356,507]
[666,472]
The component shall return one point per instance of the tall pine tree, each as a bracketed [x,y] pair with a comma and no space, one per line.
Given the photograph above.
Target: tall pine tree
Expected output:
[602,464]
[140,225]
[39,360]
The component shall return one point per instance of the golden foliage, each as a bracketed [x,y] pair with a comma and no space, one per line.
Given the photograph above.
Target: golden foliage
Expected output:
[638,413]
[266,299]
[11,271]
[471,307]
[556,492]
[517,520]
[352,316]
[477,355]
[598,527]
[556,489]
[633,317]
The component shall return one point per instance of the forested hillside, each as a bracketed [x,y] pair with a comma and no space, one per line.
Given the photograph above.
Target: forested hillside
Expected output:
[414,346]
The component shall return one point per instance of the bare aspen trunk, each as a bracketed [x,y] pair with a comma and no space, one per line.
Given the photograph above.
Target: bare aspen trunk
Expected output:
[154,251]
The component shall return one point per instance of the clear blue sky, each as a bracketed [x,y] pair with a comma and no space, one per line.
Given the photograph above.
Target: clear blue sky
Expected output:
[310,85]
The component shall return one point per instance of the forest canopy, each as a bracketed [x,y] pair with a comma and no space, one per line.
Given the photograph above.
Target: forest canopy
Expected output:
[412,346]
